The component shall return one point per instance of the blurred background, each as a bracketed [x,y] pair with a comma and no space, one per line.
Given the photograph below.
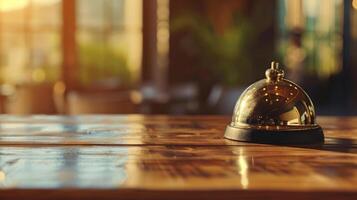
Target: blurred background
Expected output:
[171,56]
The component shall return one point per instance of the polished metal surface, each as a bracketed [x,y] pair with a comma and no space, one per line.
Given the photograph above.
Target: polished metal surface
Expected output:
[273,104]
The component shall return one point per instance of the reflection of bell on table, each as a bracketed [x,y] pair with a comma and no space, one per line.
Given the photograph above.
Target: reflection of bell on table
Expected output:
[274,110]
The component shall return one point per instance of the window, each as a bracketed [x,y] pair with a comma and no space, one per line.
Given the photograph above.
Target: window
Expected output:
[109,41]
[311,36]
[30,40]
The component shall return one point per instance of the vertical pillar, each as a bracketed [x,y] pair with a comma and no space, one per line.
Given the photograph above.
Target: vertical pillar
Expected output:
[149,39]
[69,65]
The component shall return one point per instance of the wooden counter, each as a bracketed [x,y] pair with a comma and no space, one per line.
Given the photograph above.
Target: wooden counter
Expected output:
[162,157]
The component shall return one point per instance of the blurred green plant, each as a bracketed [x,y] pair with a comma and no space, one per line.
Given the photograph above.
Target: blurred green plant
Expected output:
[100,62]
[231,55]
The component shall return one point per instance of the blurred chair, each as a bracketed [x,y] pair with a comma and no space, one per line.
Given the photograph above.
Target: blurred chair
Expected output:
[178,99]
[90,102]
[223,99]
[5,91]
[82,103]
[31,99]
[184,99]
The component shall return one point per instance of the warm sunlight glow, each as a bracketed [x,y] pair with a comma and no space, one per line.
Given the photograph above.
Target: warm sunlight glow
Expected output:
[8,5]
[354,4]
[2,176]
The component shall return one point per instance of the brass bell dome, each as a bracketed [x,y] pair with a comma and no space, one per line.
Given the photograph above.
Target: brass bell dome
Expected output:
[274,110]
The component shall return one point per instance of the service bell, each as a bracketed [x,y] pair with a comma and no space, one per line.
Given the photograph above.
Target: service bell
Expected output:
[274,110]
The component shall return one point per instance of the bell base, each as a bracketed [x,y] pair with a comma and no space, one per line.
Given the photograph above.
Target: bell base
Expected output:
[305,136]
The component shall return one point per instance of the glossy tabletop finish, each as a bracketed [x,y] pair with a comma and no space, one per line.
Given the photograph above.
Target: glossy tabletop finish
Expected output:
[165,157]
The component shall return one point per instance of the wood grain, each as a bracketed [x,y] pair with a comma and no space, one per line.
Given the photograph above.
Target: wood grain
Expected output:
[161,157]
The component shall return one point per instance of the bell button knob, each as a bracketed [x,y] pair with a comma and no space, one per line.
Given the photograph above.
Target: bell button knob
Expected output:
[274,73]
